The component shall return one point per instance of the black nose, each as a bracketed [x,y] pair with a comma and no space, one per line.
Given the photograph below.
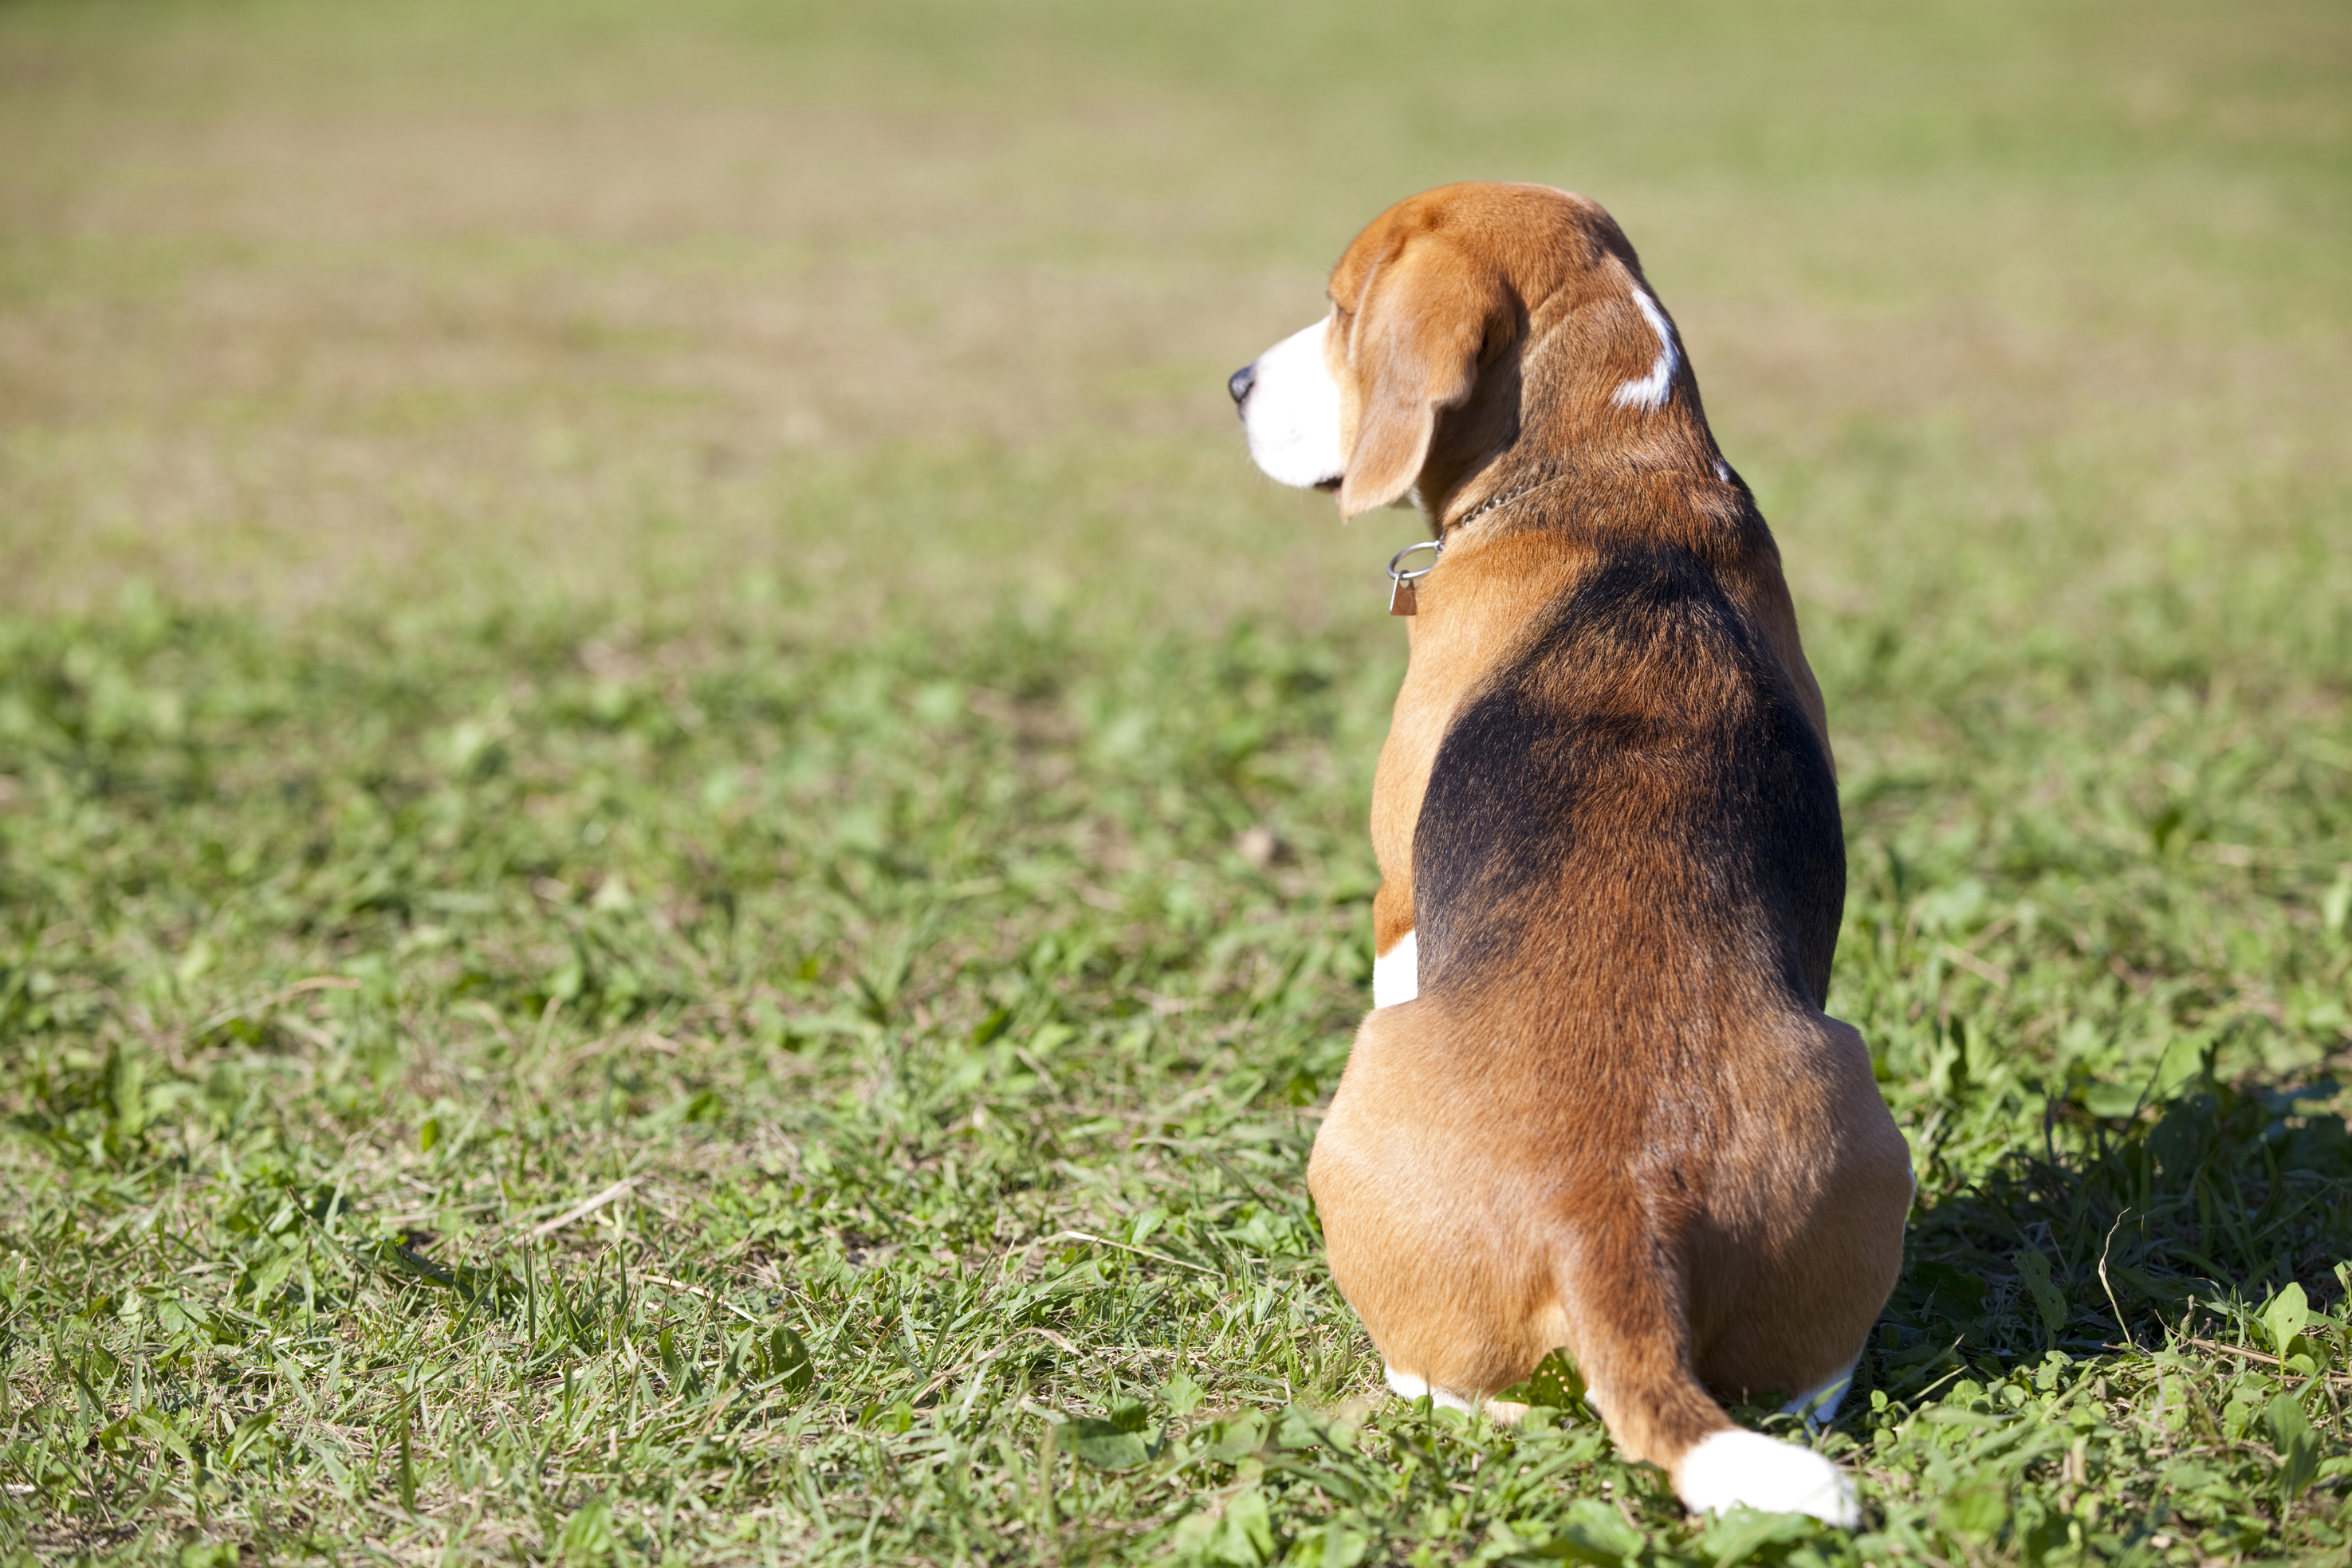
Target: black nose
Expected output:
[1241,381]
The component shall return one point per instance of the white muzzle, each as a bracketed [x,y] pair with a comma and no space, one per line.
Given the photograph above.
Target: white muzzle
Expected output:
[1290,411]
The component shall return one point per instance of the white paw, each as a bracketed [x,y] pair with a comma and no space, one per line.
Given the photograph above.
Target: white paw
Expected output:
[1737,1469]
[1413,1387]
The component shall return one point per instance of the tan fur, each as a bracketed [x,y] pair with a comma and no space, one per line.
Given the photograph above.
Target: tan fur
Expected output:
[1637,1139]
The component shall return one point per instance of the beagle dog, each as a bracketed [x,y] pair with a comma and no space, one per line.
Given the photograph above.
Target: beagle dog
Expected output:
[1596,1104]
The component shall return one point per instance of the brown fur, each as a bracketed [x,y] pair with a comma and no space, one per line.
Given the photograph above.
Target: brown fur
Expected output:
[1615,1117]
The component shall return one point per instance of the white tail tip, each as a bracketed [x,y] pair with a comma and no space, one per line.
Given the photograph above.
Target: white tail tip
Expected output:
[1747,1470]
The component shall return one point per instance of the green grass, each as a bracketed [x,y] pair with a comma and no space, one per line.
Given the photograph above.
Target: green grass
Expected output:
[597,596]
[884,970]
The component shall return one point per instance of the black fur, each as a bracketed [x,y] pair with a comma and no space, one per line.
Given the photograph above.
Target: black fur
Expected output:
[1642,773]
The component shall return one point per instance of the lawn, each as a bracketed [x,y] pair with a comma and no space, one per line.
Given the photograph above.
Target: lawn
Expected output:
[682,847]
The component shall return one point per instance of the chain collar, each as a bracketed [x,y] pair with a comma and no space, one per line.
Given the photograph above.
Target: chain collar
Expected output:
[1405,586]
[1491,502]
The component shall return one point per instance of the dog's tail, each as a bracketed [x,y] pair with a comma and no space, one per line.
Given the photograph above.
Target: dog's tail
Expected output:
[1630,1336]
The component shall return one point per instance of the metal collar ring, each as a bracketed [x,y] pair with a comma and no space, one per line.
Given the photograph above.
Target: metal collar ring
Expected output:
[1435,547]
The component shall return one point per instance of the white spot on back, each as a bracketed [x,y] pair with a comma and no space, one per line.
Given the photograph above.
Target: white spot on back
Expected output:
[1723,470]
[1650,392]
[1396,973]
[1747,1470]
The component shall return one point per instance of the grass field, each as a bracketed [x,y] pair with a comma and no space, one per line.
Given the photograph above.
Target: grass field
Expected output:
[681,846]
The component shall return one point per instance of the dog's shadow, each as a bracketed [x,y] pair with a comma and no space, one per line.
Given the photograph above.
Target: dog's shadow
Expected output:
[2121,1234]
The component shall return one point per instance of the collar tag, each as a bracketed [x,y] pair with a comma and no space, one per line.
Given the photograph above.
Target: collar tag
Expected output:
[1405,597]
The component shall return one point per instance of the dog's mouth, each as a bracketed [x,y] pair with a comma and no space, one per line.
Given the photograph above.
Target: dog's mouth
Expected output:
[1330,487]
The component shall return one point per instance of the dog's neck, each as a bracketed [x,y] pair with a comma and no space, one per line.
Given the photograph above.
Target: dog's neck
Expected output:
[1677,496]
[1467,512]
[1523,529]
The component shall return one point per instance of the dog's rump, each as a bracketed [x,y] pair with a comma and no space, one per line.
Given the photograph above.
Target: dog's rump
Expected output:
[1475,1233]
[1639,1229]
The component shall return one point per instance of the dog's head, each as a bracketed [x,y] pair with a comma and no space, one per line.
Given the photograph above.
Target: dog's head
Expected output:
[1462,320]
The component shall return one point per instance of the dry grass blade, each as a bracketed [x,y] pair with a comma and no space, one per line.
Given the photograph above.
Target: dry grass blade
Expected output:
[2336,1379]
[283,994]
[1124,1247]
[583,1208]
[665,1282]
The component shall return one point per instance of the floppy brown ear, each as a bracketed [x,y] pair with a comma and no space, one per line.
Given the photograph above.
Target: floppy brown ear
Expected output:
[1413,352]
